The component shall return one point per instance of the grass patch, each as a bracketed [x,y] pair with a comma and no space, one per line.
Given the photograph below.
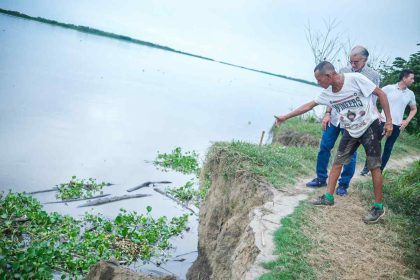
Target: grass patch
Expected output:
[401,197]
[291,246]
[278,164]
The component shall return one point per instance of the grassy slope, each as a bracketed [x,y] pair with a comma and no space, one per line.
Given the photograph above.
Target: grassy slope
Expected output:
[277,164]
[333,243]
[281,166]
[401,196]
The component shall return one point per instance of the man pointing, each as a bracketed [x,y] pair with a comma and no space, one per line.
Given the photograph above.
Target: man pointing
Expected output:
[350,95]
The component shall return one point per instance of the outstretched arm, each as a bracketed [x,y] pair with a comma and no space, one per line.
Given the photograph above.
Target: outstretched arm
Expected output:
[413,111]
[298,111]
[385,105]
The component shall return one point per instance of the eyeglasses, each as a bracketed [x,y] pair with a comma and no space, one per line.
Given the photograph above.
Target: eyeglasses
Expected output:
[355,61]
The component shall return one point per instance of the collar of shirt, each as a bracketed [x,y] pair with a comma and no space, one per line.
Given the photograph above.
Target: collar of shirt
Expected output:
[358,71]
[397,86]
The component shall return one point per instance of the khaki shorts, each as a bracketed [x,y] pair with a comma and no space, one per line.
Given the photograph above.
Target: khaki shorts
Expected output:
[370,140]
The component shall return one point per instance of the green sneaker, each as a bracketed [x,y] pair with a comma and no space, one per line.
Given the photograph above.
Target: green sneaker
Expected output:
[321,201]
[375,213]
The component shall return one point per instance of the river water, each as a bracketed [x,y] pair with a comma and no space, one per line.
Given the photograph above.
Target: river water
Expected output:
[78,104]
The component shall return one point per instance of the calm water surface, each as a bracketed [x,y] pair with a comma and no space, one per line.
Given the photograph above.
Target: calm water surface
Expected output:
[78,104]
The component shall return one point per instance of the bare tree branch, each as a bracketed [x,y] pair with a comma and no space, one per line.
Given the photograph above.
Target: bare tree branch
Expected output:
[324,45]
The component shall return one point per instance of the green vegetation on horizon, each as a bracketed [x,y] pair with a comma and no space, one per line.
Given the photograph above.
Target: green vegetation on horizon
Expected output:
[98,32]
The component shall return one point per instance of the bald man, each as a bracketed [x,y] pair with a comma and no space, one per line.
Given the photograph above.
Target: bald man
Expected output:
[331,125]
[350,94]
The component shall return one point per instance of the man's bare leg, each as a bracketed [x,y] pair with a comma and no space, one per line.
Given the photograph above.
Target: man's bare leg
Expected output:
[377,184]
[333,177]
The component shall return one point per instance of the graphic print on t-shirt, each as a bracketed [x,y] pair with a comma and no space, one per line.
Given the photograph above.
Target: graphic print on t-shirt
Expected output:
[352,111]
[353,103]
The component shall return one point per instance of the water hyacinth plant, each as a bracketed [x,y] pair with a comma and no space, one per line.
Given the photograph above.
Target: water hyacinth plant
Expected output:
[35,244]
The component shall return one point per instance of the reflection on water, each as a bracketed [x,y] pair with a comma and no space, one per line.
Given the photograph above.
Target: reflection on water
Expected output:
[77,104]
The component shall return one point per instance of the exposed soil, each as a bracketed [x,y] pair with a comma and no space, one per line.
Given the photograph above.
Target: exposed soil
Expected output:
[266,220]
[290,137]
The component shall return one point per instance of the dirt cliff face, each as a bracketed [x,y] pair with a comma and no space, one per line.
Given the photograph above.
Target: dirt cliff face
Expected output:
[226,246]
[289,137]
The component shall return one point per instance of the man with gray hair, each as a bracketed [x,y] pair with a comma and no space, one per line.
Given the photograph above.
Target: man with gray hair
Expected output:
[331,126]
[350,94]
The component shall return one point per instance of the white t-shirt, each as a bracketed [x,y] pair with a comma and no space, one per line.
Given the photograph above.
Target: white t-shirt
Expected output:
[398,99]
[353,103]
[368,73]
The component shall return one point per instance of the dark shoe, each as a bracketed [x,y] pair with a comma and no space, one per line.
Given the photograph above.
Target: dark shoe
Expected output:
[322,200]
[375,213]
[364,172]
[341,190]
[316,183]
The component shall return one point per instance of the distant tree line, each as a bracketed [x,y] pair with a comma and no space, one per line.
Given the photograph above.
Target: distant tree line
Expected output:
[98,32]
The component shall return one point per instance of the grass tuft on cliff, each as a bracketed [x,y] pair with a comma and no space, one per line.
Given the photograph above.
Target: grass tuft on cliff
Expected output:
[277,164]
[283,165]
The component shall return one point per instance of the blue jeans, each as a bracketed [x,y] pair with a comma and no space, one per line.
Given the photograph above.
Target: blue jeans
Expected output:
[328,139]
[389,144]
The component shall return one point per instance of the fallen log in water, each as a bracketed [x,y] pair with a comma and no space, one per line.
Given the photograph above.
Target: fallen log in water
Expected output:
[77,199]
[111,199]
[147,184]
[174,199]
[42,191]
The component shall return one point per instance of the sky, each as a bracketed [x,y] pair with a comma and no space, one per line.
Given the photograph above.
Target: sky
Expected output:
[263,34]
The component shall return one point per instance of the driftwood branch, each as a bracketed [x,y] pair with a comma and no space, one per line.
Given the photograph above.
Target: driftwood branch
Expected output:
[147,184]
[111,199]
[181,255]
[43,191]
[77,199]
[174,199]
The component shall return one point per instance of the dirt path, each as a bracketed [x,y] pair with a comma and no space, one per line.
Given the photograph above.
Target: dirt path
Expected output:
[347,249]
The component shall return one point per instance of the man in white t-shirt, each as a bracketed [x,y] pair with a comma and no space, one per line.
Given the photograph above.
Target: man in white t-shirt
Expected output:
[331,128]
[350,94]
[399,96]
